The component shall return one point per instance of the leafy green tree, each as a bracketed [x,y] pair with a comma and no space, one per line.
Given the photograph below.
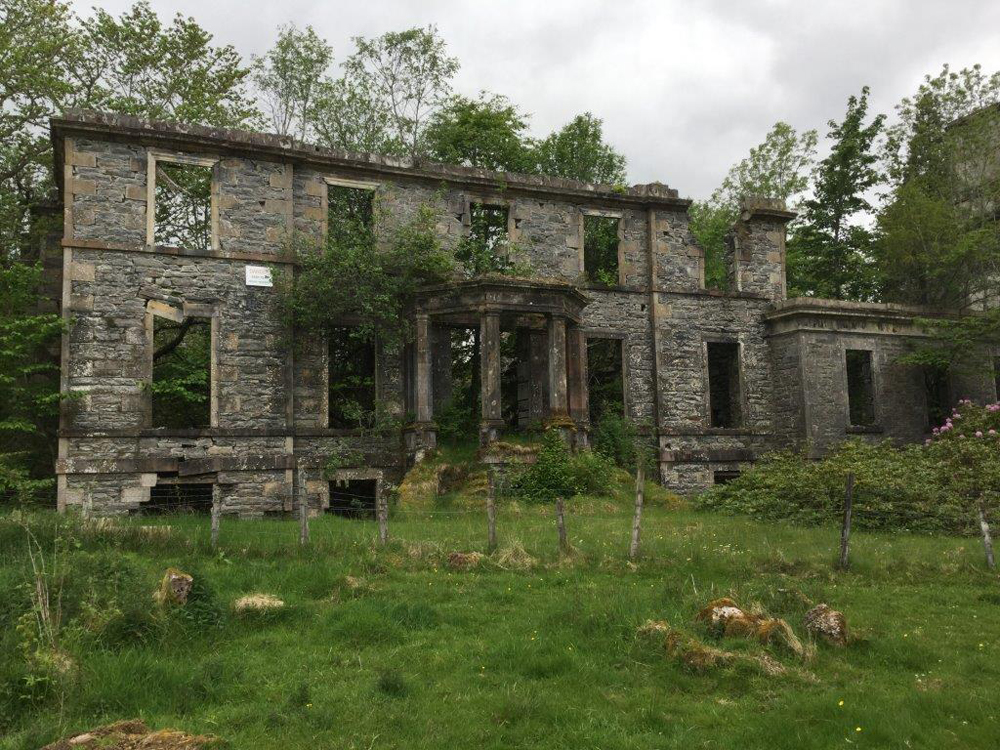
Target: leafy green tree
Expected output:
[28,401]
[577,151]
[348,115]
[777,168]
[938,237]
[829,254]
[289,77]
[408,71]
[487,132]
[138,66]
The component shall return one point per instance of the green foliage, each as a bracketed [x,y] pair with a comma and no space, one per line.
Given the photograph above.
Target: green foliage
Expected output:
[289,76]
[830,250]
[600,249]
[938,238]
[925,488]
[383,276]
[487,132]
[410,72]
[777,168]
[181,362]
[618,439]
[560,473]
[578,152]
[29,398]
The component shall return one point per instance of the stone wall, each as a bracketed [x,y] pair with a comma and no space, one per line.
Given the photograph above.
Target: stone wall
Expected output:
[269,436]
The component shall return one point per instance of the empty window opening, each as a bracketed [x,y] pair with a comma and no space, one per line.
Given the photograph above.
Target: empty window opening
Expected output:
[724,397]
[183,200]
[725,476]
[457,412]
[530,398]
[600,249]
[178,498]
[860,388]
[351,378]
[354,498]
[605,379]
[486,249]
[510,370]
[937,390]
[350,216]
[182,373]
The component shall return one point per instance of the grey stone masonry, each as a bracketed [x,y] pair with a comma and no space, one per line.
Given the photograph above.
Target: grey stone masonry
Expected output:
[269,435]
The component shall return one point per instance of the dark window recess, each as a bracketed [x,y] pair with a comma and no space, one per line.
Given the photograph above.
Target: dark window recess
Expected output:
[860,388]
[996,377]
[351,378]
[725,477]
[486,250]
[178,498]
[183,198]
[354,498]
[182,373]
[937,389]
[605,378]
[350,216]
[600,249]
[724,398]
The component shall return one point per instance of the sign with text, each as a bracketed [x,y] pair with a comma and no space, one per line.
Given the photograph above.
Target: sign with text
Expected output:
[259,276]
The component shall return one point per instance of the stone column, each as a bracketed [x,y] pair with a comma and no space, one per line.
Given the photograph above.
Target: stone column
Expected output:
[441,368]
[489,362]
[579,395]
[558,405]
[426,437]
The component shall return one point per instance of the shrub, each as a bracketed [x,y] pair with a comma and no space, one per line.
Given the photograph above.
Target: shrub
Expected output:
[895,488]
[616,437]
[560,473]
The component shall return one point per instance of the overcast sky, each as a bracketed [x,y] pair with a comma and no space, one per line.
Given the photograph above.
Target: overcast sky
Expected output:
[685,89]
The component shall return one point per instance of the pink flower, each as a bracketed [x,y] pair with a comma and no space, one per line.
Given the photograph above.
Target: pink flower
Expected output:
[993,432]
[979,433]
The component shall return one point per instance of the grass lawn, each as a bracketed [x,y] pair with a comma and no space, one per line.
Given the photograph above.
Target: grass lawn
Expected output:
[410,654]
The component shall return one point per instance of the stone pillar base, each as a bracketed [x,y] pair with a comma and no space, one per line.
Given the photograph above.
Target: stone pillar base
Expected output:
[489,431]
[420,439]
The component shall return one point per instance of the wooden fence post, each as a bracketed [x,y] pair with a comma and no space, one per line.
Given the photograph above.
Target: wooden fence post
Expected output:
[491,512]
[303,510]
[561,524]
[640,481]
[845,530]
[382,512]
[216,516]
[984,526]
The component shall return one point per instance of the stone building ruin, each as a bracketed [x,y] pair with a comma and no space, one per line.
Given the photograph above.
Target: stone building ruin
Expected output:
[716,378]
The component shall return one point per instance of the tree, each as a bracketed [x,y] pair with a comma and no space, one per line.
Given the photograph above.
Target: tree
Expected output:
[487,132]
[137,66]
[577,151]
[831,251]
[777,168]
[349,116]
[938,236]
[410,71]
[289,77]
[37,52]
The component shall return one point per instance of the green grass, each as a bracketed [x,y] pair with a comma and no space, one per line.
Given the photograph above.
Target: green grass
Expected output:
[419,656]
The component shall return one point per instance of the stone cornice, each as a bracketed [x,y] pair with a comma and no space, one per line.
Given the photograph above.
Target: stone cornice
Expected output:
[107,126]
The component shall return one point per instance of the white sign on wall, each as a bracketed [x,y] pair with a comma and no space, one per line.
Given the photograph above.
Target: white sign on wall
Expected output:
[259,276]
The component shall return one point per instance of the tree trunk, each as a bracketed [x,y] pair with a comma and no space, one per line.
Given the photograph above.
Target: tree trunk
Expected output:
[984,526]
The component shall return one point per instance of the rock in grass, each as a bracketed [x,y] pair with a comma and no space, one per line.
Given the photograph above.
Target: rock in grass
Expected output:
[258,603]
[464,560]
[131,735]
[824,622]
[174,588]
[726,618]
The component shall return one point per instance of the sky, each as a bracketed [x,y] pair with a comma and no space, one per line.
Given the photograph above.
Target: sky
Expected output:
[685,89]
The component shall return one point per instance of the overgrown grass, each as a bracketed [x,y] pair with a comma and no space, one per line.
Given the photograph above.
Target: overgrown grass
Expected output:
[390,648]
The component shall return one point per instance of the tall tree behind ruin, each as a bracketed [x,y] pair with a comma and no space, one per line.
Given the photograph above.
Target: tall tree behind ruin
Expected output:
[578,151]
[777,168]
[938,234]
[488,132]
[289,77]
[830,253]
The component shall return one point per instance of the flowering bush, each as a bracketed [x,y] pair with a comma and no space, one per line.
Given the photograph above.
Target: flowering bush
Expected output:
[935,487]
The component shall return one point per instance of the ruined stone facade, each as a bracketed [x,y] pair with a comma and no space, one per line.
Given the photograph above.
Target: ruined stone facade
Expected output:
[268,436]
